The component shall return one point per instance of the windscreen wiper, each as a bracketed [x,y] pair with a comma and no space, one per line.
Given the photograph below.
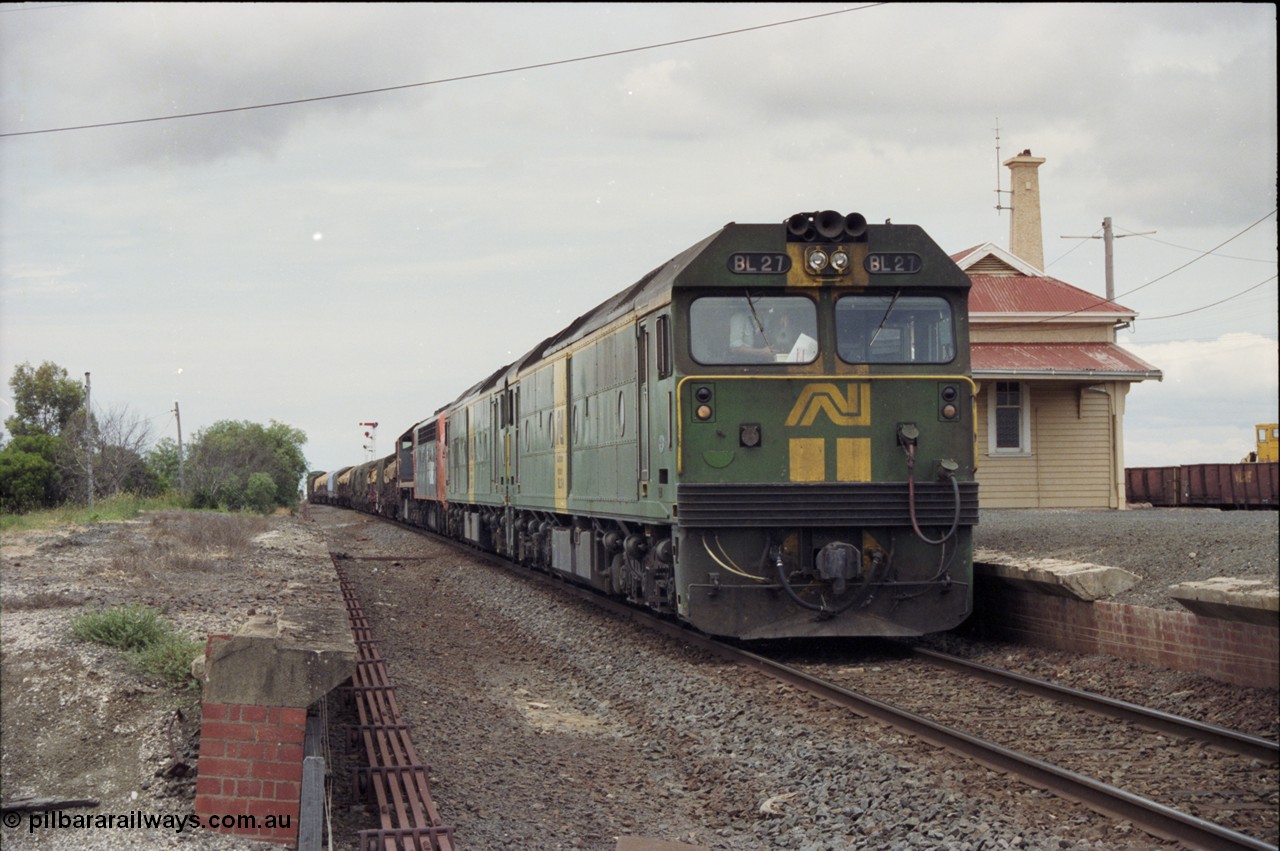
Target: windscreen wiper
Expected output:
[760,325]
[884,319]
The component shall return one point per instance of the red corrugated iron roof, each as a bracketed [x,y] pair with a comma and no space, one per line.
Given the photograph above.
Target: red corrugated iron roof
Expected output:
[1059,360]
[960,255]
[1037,295]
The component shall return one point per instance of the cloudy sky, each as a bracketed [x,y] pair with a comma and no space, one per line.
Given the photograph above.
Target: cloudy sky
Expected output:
[367,258]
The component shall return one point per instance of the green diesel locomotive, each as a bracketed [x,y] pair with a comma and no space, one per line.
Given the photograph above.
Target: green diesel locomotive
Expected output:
[771,435]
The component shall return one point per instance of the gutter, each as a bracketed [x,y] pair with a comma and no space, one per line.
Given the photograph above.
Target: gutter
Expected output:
[1088,375]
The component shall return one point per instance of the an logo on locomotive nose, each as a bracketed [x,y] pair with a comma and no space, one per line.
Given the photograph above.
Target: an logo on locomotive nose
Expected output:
[852,407]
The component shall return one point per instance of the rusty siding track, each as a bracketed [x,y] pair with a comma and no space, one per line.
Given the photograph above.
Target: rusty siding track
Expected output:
[396,780]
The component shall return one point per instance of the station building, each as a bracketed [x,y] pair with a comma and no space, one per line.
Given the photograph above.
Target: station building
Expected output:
[1052,380]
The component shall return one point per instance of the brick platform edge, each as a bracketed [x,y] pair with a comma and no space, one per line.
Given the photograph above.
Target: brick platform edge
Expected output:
[1240,653]
[251,765]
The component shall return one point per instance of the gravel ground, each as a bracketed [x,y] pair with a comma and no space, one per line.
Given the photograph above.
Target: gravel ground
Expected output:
[549,725]
[546,724]
[1164,546]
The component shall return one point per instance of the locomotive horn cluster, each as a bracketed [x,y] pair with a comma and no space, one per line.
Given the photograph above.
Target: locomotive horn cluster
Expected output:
[827,225]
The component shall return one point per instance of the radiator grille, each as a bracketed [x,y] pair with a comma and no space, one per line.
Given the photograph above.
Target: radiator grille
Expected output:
[824,504]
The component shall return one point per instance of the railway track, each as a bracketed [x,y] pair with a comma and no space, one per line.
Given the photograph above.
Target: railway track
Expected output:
[1174,777]
[1235,790]
[1146,813]
[1254,747]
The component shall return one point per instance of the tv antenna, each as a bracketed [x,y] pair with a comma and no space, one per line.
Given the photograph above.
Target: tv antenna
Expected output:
[1000,191]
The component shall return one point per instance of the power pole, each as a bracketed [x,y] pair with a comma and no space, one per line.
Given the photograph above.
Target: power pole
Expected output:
[1108,254]
[182,482]
[88,424]
[1108,242]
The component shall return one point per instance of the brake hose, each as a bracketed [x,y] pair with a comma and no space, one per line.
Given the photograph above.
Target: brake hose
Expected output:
[911,498]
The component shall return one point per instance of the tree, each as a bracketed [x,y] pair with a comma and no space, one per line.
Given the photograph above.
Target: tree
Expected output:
[44,399]
[115,440]
[225,456]
[28,473]
[260,493]
[162,462]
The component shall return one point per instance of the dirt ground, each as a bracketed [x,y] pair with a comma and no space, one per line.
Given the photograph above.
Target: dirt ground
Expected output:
[78,720]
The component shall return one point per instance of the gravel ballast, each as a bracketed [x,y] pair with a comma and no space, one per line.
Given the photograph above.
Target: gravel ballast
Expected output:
[1163,546]
[551,725]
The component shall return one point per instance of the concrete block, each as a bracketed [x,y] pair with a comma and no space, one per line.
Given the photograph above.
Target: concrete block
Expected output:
[1078,580]
[1245,600]
[292,660]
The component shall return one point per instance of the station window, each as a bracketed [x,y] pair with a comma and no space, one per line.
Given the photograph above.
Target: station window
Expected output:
[1008,419]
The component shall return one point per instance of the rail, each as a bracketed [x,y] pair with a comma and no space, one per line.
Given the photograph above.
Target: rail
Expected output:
[1253,747]
[395,780]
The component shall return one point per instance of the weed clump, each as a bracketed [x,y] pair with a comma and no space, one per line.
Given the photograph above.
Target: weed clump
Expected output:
[169,660]
[152,644]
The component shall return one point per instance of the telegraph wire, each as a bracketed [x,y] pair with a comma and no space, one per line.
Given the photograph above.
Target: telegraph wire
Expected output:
[441,81]
[1214,304]
[1201,256]
[1188,248]
[1065,254]
[28,7]
[1198,257]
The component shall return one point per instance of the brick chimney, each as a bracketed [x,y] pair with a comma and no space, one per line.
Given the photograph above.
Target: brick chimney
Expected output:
[1025,238]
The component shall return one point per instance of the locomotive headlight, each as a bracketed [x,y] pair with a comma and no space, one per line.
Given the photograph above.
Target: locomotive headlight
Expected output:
[840,260]
[949,408]
[816,259]
[703,395]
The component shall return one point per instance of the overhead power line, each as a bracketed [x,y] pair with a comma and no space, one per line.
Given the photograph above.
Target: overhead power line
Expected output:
[443,80]
[1213,304]
[1201,256]
[1197,250]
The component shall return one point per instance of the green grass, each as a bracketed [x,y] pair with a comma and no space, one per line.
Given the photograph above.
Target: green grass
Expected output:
[120,507]
[169,660]
[154,647]
[124,627]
